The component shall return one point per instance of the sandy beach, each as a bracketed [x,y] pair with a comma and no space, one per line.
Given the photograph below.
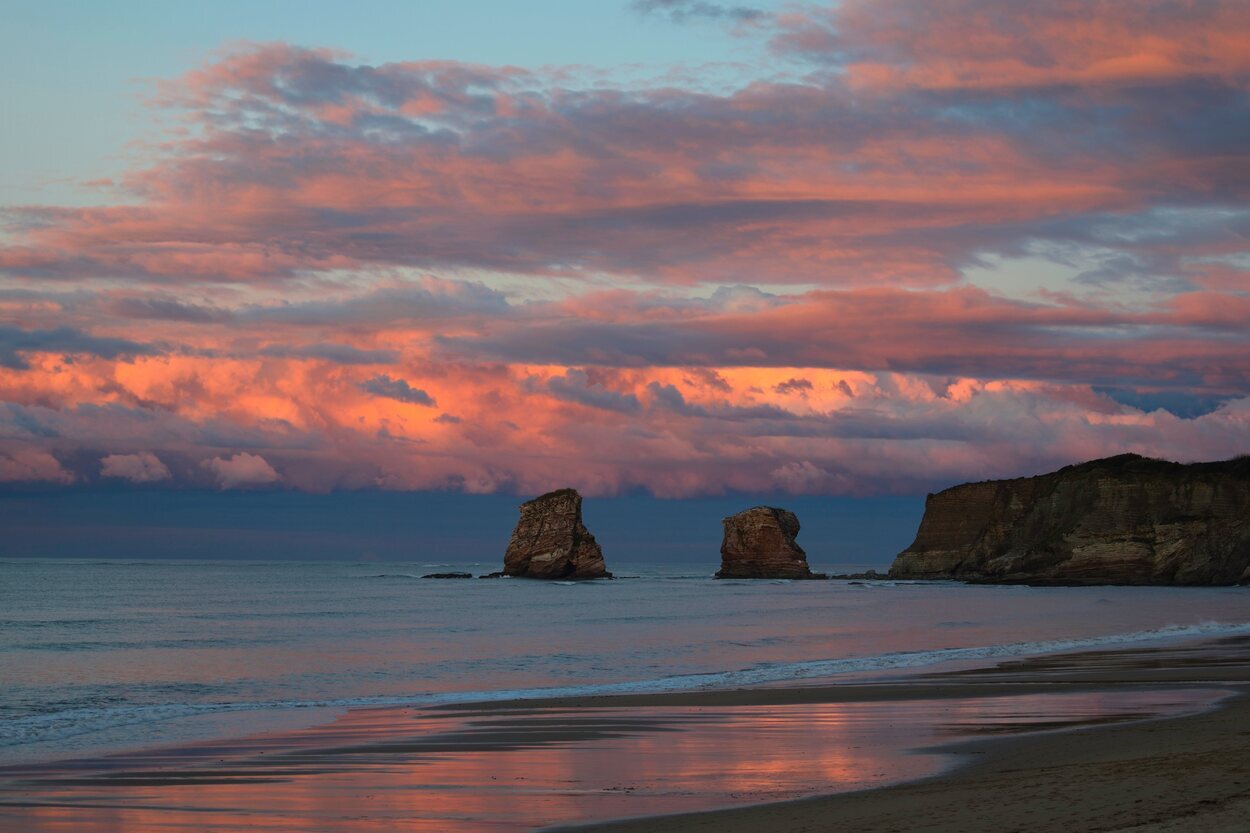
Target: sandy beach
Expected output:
[1165,776]
[1153,776]
[1069,742]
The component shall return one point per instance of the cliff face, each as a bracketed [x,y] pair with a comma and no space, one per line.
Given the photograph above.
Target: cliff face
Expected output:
[1122,520]
[759,543]
[550,541]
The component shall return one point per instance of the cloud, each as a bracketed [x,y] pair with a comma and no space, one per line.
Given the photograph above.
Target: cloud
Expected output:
[143,467]
[166,309]
[742,298]
[793,386]
[525,428]
[427,298]
[397,389]
[241,470]
[337,353]
[1194,340]
[802,477]
[928,243]
[589,389]
[16,343]
[981,44]
[675,393]
[927,135]
[32,466]
[683,11]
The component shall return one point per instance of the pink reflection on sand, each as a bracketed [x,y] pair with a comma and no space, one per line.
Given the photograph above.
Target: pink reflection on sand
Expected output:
[465,771]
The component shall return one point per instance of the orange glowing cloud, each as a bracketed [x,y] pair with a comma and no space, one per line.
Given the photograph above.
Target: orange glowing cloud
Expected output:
[431,274]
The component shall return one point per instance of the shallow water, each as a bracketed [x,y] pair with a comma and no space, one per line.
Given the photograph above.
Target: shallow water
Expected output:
[457,772]
[100,656]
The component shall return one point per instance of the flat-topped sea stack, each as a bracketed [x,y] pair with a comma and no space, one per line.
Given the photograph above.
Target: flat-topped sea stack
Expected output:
[550,541]
[759,543]
[1121,520]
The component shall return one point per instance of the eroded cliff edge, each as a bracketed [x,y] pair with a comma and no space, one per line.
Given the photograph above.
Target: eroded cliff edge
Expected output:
[1121,520]
[550,541]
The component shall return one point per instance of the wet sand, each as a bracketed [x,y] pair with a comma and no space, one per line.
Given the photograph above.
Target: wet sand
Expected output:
[1105,764]
[1154,776]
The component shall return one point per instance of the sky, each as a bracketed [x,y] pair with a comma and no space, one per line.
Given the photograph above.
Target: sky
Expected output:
[659,250]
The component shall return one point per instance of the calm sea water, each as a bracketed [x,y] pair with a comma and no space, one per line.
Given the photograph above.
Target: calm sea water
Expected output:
[105,655]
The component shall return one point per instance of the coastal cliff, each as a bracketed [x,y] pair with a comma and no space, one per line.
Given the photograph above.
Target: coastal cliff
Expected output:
[551,542]
[1121,520]
[759,543]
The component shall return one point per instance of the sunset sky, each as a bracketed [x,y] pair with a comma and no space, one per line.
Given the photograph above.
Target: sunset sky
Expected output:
[670,248]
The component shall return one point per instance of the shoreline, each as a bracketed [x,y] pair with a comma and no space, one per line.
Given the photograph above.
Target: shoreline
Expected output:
[1163,774]
[1073,742]
[805,681]
[1155,775]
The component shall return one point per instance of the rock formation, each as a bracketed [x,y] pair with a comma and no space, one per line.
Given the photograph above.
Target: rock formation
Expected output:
[1121,520]
[551,542]
[867,575]
[759,543]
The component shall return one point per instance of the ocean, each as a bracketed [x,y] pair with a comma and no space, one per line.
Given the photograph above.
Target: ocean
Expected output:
[103,656]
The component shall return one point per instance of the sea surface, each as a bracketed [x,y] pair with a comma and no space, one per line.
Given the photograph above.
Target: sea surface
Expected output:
[104,656]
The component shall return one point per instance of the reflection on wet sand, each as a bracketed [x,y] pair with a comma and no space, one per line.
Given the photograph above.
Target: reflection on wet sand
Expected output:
[507,769]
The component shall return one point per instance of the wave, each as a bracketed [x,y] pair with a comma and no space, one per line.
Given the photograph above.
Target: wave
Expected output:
[56,726]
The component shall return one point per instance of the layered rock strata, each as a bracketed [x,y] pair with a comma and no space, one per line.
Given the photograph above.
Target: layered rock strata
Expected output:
[759,543]
[1120,520]
[551,542]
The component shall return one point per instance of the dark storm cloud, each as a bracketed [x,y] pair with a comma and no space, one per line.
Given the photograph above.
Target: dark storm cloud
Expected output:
[15,342]
[397,389]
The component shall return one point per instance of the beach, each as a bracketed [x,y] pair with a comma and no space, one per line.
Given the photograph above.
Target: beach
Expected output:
[1153,776]
[1185,774]
[1146,738]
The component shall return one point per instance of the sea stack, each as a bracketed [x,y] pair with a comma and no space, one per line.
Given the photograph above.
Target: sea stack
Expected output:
[759,543]
[1120,520]
[551,542]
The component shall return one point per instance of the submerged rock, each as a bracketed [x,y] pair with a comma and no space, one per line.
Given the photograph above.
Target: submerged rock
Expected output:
[759,543]
[1120,520]
[447,575]
[551,542]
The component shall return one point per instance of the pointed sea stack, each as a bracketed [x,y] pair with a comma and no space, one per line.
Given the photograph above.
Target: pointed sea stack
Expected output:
[1121,520]
[759,543]
[551,542]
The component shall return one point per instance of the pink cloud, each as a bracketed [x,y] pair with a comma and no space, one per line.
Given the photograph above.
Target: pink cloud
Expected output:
[31,465]
[443,165]
[676,431]
[241,470]
[984,44]
[674,288]
[143,467]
